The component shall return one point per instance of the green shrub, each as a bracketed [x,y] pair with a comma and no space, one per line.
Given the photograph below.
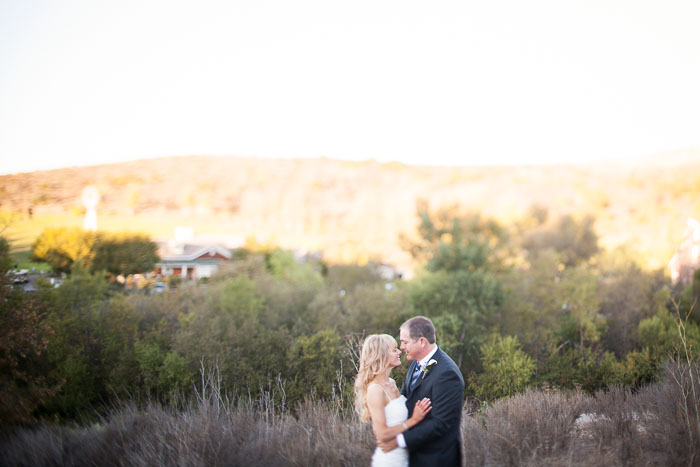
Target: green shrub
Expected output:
[314,362]
[507,369]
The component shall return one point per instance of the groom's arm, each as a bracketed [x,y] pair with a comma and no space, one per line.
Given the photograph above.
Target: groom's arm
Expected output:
[446,400]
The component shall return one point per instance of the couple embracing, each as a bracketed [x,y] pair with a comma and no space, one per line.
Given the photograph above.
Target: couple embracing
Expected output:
[420,424]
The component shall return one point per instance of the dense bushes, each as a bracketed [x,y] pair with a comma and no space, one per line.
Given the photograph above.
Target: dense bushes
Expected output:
[560,315]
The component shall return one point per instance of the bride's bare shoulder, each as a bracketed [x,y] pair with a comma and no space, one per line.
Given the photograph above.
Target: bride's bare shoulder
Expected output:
[375,395]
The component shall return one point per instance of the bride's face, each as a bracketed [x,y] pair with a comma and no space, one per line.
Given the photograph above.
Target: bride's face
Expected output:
[395,354]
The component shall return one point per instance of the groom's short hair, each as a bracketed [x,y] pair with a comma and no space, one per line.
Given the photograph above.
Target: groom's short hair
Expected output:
[420,326]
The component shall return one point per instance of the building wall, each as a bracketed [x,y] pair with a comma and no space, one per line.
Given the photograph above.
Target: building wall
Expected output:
[194,270]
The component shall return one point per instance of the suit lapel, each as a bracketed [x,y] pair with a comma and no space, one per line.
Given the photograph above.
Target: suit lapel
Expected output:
[407,380]
[411,369]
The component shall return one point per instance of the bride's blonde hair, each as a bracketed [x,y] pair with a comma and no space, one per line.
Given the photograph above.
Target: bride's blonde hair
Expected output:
[374,360]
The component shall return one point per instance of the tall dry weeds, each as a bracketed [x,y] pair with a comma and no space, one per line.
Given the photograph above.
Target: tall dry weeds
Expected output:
[616,431]
[534,426]
[537,428]
[668,417]
[214,430]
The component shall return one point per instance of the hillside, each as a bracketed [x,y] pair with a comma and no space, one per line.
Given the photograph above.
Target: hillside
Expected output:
[355,211]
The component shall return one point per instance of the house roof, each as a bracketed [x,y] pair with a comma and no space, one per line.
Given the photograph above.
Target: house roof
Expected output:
[169,251]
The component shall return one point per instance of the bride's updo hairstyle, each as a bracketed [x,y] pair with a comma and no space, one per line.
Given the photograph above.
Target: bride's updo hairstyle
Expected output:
[374,360]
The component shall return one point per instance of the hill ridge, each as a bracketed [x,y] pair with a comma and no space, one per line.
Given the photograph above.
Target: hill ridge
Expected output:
[355,211]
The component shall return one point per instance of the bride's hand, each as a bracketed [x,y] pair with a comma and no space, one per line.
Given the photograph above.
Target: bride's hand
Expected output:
[421,408]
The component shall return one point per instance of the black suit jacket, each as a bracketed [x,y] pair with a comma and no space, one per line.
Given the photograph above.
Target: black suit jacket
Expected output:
[435,441]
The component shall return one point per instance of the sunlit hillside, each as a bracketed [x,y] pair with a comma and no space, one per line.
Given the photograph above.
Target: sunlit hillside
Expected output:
[355,211]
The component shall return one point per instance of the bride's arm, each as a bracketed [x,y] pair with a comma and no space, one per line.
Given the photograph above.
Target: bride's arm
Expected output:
[376,402]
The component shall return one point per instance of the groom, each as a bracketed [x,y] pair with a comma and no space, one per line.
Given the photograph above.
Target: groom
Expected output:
[432,374]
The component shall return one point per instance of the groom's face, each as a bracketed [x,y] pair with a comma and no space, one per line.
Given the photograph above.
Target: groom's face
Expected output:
[414,349]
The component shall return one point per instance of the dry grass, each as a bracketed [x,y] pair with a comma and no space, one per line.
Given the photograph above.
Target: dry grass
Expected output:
[202,435]
[528,429]
[669,416]
[656,426]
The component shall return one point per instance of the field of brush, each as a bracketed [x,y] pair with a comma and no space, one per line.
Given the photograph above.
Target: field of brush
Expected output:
[654,426]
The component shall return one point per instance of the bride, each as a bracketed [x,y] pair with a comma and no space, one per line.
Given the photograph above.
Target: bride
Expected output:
[377,398]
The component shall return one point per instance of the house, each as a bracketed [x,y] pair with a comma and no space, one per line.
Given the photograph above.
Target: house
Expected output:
[190,261]
[686,260]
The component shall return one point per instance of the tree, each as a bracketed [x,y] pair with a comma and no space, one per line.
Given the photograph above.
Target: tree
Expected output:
[282,265]
[117,254]
[463,306]
[124,254]
[580,304]
[533,306]
[5,260]
[575,240]
[460,289]
[61,247]
[628,295]
[450,239]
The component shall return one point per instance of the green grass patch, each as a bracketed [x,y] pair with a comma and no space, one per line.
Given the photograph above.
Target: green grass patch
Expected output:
[23,260]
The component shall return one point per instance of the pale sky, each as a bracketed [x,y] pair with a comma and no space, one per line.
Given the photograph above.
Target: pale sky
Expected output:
[422,82]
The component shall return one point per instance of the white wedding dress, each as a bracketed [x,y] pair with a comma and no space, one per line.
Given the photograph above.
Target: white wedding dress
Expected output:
[396,413]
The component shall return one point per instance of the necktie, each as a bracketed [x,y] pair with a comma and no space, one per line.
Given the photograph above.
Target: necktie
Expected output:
[416,374]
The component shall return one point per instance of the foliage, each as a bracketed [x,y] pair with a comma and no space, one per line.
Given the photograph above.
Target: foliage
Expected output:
[230,326]
[464,308]
[575,240]
[315,361]
[116,253]
[24,335]
[507,369]
[348,276]
[452,240]
[532,307]
[282,265]
[163,374]
[628,294]
[582,322]
[124,254]
[640,367]
[74,353]
[286,328]
[456,257]
[5,260]
[663,333]
[582,368]
[61,247]
[371,308]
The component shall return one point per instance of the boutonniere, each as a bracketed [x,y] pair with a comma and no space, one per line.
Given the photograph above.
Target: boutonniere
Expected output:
[429,366]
